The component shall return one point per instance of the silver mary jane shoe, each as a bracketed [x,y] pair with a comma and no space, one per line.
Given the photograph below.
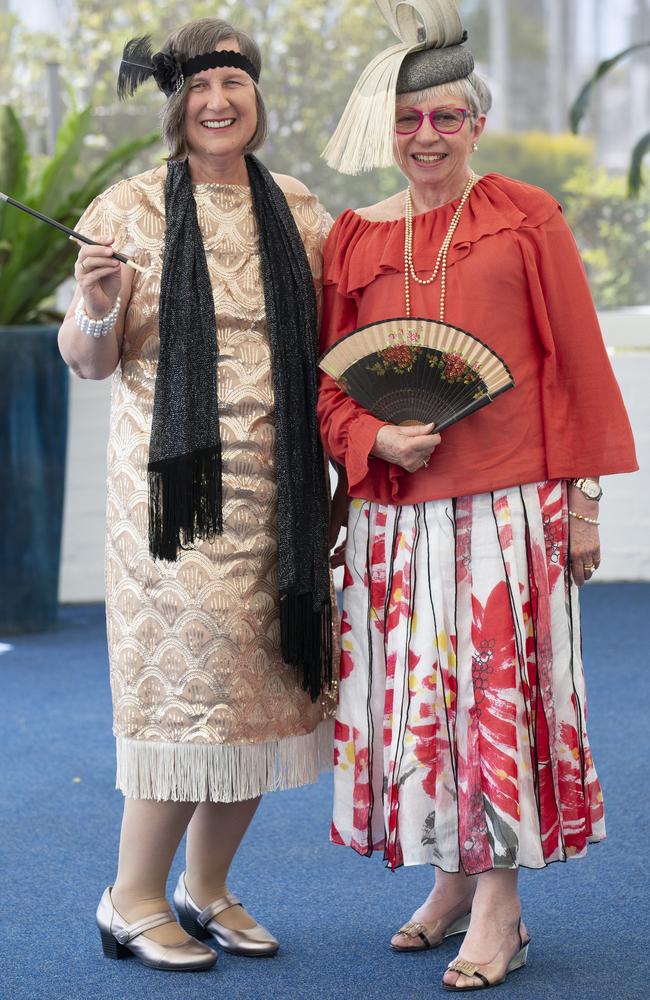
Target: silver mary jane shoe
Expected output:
[201,924]
[122,940]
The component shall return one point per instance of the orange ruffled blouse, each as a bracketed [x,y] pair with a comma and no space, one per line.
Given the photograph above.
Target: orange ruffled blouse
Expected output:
[516,281]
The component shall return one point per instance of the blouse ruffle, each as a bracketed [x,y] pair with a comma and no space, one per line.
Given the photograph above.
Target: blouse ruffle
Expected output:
[358,250]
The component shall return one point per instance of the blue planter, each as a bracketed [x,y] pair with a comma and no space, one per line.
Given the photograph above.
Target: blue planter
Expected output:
[33,430]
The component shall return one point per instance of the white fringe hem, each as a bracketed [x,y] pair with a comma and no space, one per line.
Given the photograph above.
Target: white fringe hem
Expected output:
[216,772]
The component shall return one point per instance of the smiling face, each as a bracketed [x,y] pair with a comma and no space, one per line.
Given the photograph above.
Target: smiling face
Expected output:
[429,159]
[220,111]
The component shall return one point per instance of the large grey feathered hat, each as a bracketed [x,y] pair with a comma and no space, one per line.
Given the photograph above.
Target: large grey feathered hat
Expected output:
[431,52]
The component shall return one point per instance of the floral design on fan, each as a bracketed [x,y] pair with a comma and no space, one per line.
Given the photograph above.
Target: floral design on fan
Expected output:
[401,336]
[454,368]
[399,358]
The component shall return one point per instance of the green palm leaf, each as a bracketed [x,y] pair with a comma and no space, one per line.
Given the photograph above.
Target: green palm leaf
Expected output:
[36,258]
[55,179]
[579,107]
[635,173]
[31,241]
[13,160]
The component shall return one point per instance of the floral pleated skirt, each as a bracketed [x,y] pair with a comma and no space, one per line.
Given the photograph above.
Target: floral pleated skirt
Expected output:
[460,736]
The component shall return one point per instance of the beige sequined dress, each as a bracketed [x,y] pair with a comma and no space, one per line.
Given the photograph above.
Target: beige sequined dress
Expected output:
[204,707]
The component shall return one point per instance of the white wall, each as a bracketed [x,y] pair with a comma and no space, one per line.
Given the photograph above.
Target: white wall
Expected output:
[625,509]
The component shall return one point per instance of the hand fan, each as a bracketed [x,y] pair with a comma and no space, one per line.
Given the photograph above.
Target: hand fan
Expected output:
[417,371]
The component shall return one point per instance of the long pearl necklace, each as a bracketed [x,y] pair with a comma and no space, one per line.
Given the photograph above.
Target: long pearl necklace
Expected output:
[441,259]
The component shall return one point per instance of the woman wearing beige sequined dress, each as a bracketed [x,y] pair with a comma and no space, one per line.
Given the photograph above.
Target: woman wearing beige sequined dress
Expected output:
[218,592]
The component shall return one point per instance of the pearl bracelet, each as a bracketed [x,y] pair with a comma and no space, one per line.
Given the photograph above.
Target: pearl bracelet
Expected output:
[96,327]
[581,517]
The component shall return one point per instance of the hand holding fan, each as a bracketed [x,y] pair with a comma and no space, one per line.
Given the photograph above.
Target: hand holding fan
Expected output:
[417,371]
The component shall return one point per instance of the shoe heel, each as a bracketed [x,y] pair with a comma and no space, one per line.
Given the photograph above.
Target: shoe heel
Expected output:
[519,960]
[191,927]
[113,948]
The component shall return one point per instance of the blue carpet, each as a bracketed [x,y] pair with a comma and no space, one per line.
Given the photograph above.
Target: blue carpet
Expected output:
[332,911]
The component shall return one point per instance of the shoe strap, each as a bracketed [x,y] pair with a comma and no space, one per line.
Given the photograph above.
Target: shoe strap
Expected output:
[131,931]
[413,929]
[468,969]
[212,910]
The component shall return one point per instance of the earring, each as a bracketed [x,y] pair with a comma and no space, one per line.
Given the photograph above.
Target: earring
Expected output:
[474,147]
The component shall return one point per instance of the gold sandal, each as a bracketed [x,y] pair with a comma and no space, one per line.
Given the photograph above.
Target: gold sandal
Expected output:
[431,935]
[470,969]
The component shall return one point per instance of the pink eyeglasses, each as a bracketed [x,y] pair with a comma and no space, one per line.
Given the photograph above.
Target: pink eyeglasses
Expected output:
[447,121]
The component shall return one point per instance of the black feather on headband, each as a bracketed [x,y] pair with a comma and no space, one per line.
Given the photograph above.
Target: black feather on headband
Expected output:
[139,64]
[136,66]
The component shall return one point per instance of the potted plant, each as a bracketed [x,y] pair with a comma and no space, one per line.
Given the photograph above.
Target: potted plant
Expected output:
[34,260]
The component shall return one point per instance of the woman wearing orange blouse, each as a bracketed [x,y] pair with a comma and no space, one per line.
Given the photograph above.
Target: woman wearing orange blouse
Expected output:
[460,738]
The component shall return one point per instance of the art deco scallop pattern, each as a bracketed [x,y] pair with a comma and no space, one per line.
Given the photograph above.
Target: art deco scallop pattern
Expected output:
[194,646]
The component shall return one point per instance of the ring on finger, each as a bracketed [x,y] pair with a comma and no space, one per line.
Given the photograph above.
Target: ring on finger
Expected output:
[589,567]
[83,265]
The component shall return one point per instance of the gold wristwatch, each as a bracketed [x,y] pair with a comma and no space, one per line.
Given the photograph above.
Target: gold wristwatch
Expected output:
[591,489]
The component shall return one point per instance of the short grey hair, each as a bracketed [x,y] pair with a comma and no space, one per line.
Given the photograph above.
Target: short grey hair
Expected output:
[193,39]
[472,90]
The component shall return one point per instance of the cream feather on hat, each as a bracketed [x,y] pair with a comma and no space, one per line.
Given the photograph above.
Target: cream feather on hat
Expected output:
[430,52]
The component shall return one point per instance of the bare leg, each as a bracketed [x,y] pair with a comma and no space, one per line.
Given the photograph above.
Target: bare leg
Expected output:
[213,836]
[493,928]
[151,833]
[450,898]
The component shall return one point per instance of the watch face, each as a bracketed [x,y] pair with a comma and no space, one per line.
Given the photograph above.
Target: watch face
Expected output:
[591,489]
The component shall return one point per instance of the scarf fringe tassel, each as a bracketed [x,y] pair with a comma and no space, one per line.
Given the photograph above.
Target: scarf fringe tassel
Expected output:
[184,501]
[209,772]
[306,640]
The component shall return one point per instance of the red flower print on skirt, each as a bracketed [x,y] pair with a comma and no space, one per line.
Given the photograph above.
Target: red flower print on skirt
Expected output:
[461,736]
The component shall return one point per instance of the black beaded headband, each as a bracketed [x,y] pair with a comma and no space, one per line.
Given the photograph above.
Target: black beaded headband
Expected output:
[168,70]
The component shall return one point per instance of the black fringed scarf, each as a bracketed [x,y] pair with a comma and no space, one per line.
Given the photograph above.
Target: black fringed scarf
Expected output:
[185,450]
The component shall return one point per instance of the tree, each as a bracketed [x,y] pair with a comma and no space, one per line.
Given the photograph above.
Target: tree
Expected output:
[548,161]
[613,234]
[313,54]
